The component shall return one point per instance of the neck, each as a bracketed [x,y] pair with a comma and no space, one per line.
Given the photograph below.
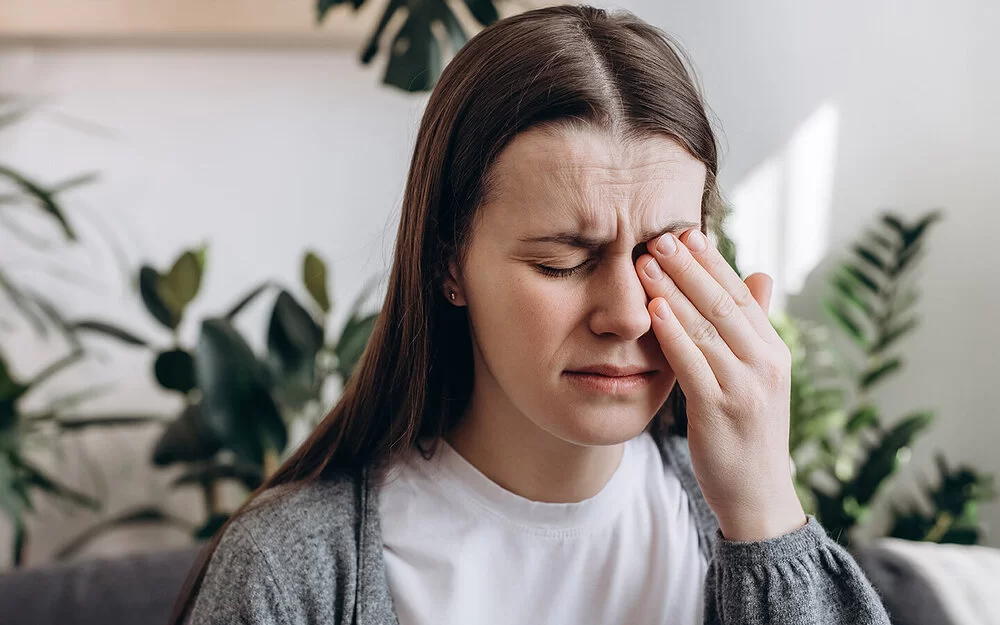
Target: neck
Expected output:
[515,453]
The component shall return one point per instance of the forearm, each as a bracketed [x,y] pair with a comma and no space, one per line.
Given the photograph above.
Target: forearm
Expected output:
[798,578]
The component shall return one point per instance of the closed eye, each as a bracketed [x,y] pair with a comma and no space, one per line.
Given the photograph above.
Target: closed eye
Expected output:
[563,273]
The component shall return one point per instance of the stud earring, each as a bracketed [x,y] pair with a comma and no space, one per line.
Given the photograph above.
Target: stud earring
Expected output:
[452,296]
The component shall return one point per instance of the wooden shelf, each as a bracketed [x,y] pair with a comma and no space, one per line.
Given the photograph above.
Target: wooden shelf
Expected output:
[201,21]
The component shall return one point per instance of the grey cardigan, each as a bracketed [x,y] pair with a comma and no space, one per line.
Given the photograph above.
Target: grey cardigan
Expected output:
[313,555]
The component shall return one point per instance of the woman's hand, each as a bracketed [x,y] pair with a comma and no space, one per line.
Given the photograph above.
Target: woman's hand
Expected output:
[735,372]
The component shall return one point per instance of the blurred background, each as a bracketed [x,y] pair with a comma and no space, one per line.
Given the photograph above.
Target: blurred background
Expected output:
[198,201]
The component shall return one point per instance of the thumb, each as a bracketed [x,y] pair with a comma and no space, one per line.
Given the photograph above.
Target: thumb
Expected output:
[761,286]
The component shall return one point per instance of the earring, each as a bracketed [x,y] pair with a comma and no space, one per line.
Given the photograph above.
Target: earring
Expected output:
[452,296]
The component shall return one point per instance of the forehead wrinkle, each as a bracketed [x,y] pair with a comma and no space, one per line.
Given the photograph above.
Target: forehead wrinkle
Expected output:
[627,207]
[559,183]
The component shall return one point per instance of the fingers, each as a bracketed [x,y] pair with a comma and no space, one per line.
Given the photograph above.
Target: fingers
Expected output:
[694,373]
[715,263]
[697,329]
[761,286]
[719,319]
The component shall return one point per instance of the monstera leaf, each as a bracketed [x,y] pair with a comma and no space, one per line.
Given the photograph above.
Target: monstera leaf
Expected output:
[415,55]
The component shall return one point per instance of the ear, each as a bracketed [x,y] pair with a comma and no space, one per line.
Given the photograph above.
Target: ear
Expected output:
[453,284]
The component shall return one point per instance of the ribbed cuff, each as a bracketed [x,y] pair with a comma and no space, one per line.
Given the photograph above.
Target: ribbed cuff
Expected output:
[809,537]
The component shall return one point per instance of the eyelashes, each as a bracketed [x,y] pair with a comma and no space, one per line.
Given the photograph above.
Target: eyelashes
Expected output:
[555,272]
[563,273]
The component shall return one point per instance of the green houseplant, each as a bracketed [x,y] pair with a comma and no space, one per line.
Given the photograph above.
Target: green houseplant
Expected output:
[25,431]
[842,451]
[238,405]
[415,54]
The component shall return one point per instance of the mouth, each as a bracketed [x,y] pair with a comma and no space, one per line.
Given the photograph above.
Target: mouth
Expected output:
[612,371]
[608,379]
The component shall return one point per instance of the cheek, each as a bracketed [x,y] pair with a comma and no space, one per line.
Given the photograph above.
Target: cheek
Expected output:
[541,311]
[523,316]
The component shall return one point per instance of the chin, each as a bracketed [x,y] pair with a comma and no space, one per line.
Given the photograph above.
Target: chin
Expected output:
[599,426]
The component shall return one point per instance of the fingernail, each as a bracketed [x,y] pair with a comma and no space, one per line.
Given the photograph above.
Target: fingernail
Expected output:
[666,244]
[661,310]
[696,241]
[653,269]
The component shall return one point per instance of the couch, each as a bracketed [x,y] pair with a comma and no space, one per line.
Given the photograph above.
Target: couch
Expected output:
[140,589]
[136,590]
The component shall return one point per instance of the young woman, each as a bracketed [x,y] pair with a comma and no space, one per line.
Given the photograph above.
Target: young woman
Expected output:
[571,409]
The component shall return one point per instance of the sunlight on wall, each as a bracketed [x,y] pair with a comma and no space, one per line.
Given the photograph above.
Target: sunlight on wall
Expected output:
[781,209]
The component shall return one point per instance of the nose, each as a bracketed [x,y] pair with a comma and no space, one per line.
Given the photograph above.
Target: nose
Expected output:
[619,302]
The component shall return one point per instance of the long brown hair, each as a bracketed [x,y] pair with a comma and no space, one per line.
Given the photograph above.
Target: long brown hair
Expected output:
[550,66]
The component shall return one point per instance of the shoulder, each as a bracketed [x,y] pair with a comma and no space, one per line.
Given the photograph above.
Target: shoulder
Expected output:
[290,556]
[284,518]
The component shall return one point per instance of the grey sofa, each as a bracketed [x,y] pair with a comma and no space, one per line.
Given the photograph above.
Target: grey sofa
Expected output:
[136,590]
[140,589]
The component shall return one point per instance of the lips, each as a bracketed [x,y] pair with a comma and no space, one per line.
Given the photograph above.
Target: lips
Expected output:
[610,379]
[613,371]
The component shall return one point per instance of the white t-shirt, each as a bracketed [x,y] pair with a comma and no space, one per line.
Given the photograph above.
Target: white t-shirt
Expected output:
[461,549]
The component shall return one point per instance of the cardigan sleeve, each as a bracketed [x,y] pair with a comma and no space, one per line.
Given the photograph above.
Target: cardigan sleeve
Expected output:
[239,585]
[799,578]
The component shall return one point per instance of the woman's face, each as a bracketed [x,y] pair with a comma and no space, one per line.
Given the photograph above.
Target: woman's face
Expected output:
[551,287]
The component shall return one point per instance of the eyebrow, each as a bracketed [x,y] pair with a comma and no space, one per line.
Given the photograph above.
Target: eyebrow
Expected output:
[575,239]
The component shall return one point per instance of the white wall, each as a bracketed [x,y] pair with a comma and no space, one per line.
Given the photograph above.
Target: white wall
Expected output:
[266,151]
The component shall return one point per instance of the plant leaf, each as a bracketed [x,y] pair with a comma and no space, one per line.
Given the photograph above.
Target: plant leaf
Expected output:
[250,475]
[114,331]
[456,34]
[49,371]
[174,370]
[10,389]
[44,198]
[133,517]
[187,438]
[893,335]
[483,10]
[152,297]
[76,181]
[314,277]
[236,399]
[883,241]
[211,526]
[905,300]
[415,55]
[246,299]
[882,459]
[863,278]
[895,223]
[870,256]
[71,424]
[865,416]
[293,338]
[907,258]
[38,479]
[352,343]
[74,398]
[846,322]
[920,228]
[372,48]
[871,377]
[184,278]
[848,288]
[24,303]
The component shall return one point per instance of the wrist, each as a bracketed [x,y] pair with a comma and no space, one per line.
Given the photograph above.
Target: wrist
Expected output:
[776,519]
